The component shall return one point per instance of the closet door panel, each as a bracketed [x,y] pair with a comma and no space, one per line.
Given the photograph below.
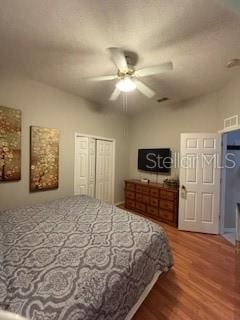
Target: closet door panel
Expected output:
[91,190]
[100,169]
[108,171]
[81,166]
[104,170]
[92,167]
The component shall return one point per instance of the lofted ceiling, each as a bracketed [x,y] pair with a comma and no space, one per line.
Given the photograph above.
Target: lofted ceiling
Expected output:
[62,42]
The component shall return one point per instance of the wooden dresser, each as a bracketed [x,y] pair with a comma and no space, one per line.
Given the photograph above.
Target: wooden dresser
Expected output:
[152,199]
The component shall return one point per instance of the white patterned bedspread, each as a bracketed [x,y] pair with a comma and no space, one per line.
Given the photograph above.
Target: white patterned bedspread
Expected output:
[77,258]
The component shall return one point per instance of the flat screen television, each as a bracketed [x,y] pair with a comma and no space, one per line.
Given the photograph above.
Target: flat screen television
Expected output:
[155,160]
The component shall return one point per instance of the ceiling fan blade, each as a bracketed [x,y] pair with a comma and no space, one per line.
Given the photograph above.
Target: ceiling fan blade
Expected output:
[118,58]
[144,89]
[154,70]
[102,78]
[115,94]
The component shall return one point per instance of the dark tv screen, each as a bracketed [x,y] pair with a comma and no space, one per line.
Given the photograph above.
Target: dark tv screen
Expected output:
[155,160]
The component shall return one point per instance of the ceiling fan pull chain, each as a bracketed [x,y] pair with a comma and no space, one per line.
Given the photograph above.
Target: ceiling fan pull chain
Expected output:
[124,102]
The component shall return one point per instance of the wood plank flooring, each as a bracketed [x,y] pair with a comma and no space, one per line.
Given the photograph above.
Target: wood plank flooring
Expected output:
[204,283]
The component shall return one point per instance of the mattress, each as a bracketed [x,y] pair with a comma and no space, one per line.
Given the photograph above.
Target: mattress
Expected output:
[77,258]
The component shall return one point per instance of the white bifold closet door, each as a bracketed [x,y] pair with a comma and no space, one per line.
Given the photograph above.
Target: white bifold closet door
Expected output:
[94,168]
[85,165]
[91,167]
[104,170]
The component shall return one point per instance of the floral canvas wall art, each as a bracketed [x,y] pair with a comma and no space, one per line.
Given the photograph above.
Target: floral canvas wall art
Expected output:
[44,158]
[10,144]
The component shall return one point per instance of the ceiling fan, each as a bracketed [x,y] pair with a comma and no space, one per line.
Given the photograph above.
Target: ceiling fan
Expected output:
[127,76]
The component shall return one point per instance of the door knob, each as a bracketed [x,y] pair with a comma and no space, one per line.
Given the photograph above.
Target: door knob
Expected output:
[183,192]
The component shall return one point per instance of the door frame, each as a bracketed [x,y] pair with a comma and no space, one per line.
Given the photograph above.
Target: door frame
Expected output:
[113,140]
[223,137]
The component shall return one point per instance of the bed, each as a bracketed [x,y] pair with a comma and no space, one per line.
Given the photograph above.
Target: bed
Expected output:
[78,258]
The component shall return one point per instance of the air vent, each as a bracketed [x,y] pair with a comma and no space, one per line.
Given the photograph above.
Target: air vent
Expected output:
[232,122]
[162,99]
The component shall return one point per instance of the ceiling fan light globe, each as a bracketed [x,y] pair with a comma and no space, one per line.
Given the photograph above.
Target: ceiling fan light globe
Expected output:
[126,85]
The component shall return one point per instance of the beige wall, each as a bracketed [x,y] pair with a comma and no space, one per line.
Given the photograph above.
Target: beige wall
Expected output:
[162,126]
[229,100]
[48,107]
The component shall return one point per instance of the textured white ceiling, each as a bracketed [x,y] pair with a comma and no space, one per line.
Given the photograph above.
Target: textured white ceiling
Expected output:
[62,42]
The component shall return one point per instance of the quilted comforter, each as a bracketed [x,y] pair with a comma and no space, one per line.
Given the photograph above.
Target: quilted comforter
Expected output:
[77,258]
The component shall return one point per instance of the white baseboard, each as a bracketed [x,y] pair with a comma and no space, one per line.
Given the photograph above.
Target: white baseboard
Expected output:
[118,203]
[229,230]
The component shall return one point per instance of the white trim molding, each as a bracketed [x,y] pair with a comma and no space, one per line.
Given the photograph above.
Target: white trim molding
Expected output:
[118,203]
[223,178]
[229,129]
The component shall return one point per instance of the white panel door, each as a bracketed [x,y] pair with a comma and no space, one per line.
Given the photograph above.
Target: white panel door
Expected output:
[108,171]
[104,170]
[81,166]
[199,197]
[92,167]
[100,169]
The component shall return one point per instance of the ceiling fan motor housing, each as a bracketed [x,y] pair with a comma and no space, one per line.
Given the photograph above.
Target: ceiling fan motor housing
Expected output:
[129,73]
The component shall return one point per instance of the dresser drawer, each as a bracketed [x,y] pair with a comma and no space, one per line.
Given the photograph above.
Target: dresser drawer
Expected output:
[130,204]
[145,199]
[138,188]
[130,186]
[139,197]
[154,202]
[154,192]
[168,195]
[167,215]
[130,194]
[140,206]
[142,189]
[167,205]
[142,198]
[152,211]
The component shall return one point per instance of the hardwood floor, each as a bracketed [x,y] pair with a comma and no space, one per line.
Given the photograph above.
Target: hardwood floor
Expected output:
[204,283]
